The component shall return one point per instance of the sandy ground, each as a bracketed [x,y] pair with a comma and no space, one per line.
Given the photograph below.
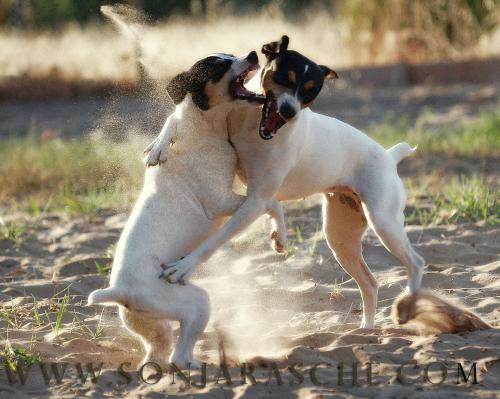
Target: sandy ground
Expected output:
[265,307]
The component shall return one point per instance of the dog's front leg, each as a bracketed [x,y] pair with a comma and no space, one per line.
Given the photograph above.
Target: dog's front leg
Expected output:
[226,206]
[252,208]
[230,204]
[157,150]
[278,226]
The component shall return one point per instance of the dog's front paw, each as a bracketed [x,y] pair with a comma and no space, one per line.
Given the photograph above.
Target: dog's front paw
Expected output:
[179,271]
[156,153]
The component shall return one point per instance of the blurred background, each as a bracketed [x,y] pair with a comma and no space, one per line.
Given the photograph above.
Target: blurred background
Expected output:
[423,71]
[62,49]
[80,98]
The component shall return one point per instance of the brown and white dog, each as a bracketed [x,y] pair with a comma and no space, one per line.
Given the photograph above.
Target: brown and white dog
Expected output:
[313,153]
[179,206]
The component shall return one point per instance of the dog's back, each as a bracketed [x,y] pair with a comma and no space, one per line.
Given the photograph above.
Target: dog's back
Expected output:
[169,219]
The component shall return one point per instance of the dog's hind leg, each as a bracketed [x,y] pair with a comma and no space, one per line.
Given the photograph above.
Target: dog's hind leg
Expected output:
[385,216]
[155,334]
[187,304]
[192,324]
[344,225]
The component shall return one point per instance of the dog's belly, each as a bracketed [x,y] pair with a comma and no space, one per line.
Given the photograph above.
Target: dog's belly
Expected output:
[312,174]
[331,154]
[300,185]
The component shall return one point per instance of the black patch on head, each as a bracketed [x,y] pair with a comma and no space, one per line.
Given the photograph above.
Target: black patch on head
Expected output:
[290,70]
[210,69]
[306,71]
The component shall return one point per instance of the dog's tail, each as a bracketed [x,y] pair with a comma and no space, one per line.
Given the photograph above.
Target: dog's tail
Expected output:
[106,296]
[434,314]
[401,151]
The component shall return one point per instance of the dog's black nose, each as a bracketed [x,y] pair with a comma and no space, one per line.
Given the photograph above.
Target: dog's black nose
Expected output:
[287,111]
[252,57]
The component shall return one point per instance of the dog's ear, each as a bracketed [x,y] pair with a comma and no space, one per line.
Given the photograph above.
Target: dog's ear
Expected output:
[185,83]
[283,43]
[273,49]
[270,50]
[328,73]
[179,86]
[200,98]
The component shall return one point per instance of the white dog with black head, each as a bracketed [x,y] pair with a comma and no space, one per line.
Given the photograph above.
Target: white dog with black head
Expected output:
[312,153]
[181,203]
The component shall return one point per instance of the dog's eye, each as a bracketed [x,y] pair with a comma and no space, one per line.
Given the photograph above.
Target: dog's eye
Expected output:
[282,80]
[309,85]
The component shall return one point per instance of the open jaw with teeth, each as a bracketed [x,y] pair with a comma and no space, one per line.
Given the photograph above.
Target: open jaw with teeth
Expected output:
[270,120]
[240,92]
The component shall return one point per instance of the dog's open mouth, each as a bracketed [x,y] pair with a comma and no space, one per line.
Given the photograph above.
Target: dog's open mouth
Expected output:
[271,120]
[240,92]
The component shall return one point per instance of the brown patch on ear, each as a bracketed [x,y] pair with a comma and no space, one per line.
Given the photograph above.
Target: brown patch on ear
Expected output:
[328,73]
[309,85]
[292,77]
[332,75]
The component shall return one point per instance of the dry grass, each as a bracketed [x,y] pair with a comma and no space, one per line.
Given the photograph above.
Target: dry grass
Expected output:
[79,175]
[102,53]
[421,31]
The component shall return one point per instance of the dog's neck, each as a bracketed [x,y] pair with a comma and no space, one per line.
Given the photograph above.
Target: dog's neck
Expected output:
[194,119]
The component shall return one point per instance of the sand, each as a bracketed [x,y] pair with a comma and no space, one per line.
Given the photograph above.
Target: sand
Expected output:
[266,308]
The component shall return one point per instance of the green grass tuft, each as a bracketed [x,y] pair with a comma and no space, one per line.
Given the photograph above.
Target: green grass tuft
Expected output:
[12,231]
[464,200]
[13,356]
[103,269]
[477,137]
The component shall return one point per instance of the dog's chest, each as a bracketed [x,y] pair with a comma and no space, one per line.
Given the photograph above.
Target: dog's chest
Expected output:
[209,162]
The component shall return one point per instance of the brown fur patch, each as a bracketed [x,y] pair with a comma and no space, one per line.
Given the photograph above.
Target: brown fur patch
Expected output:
[292,77]
[434,314]
[269,84]
[350,202]
[342,189]
[309,85]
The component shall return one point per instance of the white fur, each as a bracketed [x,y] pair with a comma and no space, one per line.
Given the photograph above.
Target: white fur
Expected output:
[180,205]
[311,154]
